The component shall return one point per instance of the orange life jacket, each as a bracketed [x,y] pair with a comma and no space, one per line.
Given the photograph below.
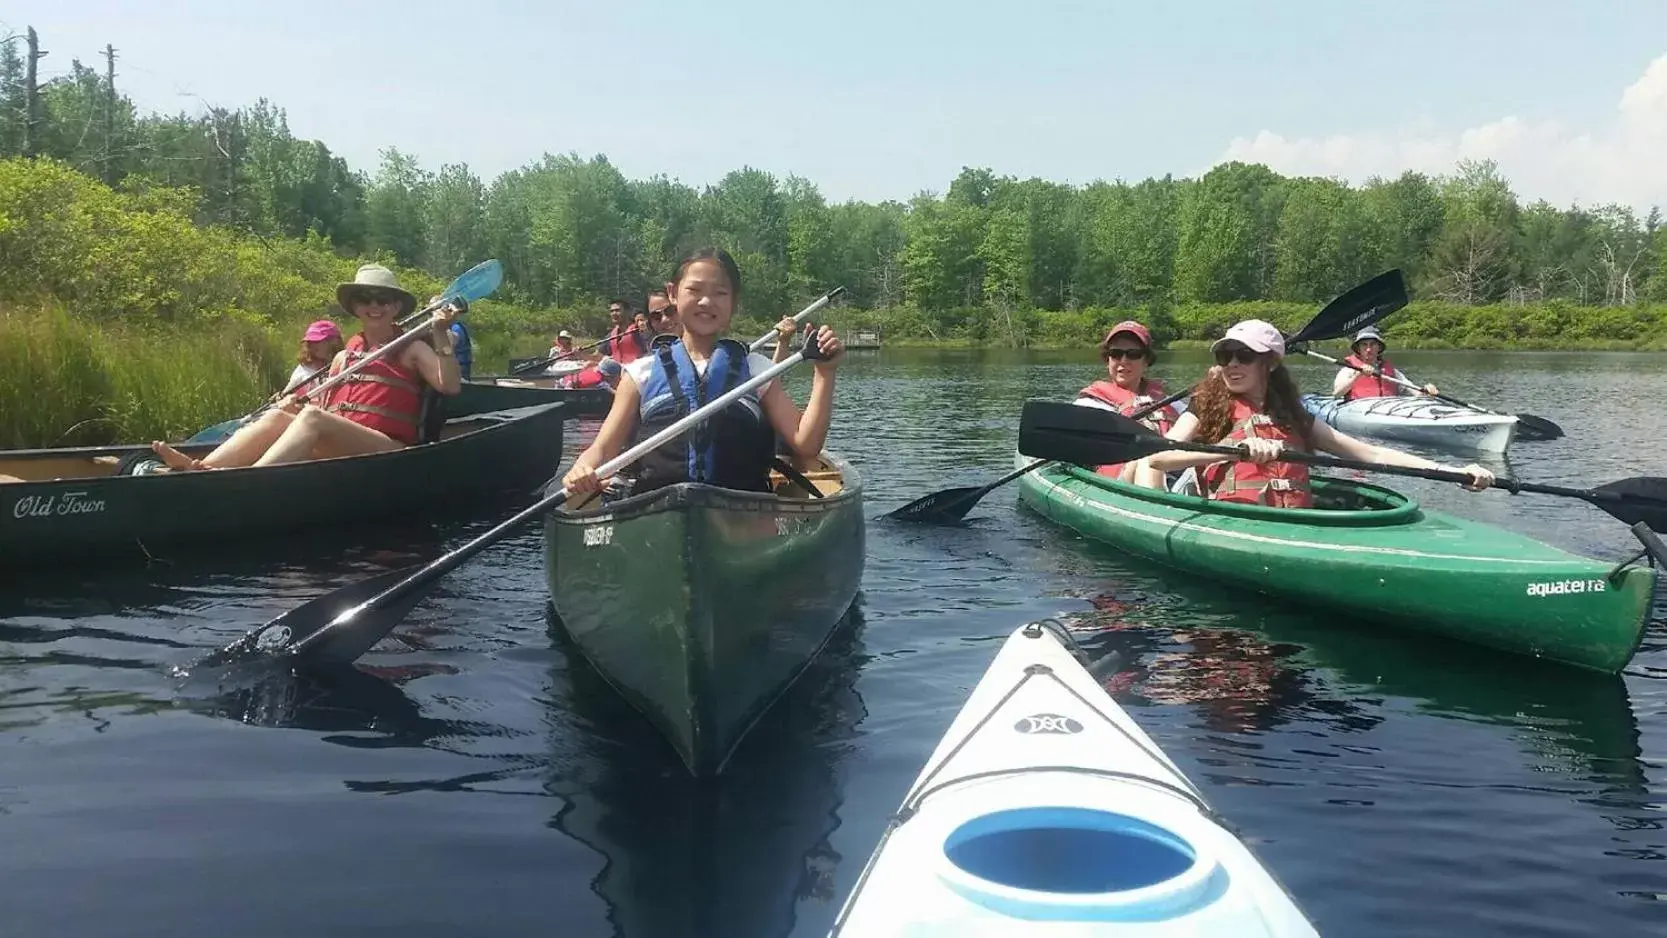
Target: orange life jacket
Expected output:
[1128,403]
[1367,384]
[1277,484]
[622,348]
[384,395]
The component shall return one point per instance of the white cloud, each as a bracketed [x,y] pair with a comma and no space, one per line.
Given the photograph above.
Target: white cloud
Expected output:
[1623,161]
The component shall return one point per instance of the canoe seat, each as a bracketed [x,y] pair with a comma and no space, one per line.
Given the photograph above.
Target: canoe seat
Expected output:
[827,479]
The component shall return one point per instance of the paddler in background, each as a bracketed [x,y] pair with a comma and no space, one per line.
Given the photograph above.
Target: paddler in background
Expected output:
[1249,397]
[319,345]
[563,346]
[624,341]
[1367,352]
[1127,353]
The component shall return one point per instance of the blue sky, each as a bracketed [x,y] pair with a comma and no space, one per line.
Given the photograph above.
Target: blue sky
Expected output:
[878,100]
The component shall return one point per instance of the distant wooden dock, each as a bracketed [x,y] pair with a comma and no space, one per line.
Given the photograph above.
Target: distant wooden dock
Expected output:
[861,340]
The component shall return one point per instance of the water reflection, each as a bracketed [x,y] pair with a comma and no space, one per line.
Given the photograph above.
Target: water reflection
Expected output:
[1254,669]
[736,856]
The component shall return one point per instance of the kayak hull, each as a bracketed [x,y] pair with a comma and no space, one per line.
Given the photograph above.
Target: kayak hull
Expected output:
[1046,810]
[702,605]
[1420,420]
[1390,562]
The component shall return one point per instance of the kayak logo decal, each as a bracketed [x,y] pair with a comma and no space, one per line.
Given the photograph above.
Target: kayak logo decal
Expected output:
[599,535]
[1566,587]
[1047,723]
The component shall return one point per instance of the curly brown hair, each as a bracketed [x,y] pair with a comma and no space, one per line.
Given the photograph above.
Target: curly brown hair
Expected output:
[1213,404]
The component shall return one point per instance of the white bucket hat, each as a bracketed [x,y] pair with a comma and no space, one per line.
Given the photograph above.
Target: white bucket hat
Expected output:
[374,278]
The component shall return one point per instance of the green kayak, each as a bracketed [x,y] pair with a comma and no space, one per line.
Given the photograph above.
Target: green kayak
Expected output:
[1377,555]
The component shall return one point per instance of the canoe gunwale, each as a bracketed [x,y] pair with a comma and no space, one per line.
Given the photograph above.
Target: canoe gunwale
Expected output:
[687,495]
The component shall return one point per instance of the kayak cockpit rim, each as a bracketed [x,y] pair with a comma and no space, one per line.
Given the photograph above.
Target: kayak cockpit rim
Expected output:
[1358,504]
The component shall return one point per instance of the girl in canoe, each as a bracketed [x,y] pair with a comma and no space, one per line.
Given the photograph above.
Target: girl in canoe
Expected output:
[1250,398]
[375,410]
[1366,373]
[1127,352]
[735,447]
[319,345]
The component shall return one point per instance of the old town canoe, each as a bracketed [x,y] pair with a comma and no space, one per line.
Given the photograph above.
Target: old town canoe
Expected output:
[701,605]
[1376,556]
[73,507]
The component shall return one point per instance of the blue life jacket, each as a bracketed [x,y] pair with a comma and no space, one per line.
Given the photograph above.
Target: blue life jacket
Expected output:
[732,449]
[461,348]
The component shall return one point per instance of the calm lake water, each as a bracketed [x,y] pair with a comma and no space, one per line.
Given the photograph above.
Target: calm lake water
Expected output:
[474,777]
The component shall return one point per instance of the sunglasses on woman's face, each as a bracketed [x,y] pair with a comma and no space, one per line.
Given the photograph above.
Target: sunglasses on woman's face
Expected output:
[1118,354]
[374,299]
[1242,355]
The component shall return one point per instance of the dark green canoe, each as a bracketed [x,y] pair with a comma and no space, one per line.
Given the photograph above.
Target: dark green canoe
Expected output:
[1377,556]
[72,508]
[582,402]
[702,605]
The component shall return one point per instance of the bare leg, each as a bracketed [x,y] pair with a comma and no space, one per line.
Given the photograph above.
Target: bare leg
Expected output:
[242,449]
[318,434]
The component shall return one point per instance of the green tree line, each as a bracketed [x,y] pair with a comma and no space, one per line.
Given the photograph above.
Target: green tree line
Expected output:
[992,258]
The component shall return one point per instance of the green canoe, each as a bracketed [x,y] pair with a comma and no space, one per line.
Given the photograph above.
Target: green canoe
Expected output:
[1376,555]
[72,506]
[702,605]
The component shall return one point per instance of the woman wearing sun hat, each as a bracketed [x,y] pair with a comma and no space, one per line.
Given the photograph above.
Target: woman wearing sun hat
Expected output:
[374,410]
[1250,398]
[1366,373]
[1126,389]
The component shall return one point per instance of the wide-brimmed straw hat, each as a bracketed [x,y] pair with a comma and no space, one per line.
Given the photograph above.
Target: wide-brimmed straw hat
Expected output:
[374,278]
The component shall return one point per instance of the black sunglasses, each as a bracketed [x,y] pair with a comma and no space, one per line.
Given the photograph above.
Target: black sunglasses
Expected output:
[1242,355]
[1118,354]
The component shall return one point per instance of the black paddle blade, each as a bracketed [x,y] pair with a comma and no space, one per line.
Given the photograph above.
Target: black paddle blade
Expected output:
[347,641]
[1639,499]
[1356,309]
[945,507]
[1083,436]
[1530,427]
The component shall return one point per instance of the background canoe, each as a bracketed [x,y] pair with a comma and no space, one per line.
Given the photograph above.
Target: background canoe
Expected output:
[73,509]
[702,605]
[492,391]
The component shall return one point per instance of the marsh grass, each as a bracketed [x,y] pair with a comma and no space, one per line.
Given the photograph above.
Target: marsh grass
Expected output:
[66,381]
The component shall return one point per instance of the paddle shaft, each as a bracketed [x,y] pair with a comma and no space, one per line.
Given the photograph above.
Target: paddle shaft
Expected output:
[549,360]
[1146,411]
[826,298]
[449,562]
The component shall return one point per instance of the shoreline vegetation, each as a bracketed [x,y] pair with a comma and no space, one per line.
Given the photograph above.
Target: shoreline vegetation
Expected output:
[156,271]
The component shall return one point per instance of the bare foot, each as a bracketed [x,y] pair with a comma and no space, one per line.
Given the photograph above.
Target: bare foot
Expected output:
[174,458]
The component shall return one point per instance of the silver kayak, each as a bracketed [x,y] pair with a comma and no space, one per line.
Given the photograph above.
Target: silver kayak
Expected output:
[1419,419]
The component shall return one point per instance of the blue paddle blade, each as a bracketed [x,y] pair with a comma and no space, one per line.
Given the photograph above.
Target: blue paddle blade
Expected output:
[478,282]
[218,433]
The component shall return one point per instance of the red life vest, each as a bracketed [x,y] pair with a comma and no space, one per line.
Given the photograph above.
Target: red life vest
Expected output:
[1277,484]
[1367,384]
[587,377]
[1128,403]
[624,348]
[384,395]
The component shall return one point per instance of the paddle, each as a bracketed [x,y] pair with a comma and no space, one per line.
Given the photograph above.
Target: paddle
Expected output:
[1087,436]
[478,282]
[548,360]
[820,302]
[1528,426]
[343,624]
[1355,310]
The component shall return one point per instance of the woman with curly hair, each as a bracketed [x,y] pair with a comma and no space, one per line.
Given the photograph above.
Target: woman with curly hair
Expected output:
[1250,398]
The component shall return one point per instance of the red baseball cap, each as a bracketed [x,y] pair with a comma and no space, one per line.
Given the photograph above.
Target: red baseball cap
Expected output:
[1132,328]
